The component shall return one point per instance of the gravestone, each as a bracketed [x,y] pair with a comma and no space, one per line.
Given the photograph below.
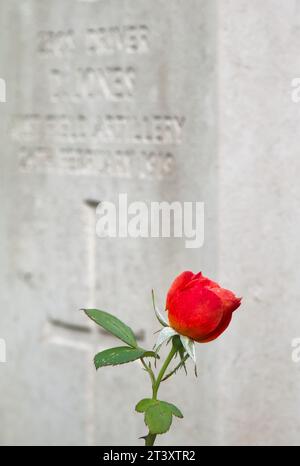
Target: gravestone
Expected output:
[104,97]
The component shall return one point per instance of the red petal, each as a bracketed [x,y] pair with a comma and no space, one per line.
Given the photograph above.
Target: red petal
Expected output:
[229,300]
[219,330]
[195,312]
[209,283]
[230,304]
[179,283]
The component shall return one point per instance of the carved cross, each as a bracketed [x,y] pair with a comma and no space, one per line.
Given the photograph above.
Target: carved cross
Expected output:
[84,337]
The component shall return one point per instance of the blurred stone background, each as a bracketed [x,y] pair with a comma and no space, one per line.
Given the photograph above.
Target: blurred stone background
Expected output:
[189,100]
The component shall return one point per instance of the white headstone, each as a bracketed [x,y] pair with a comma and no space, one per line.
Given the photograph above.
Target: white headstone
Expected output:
[106,97]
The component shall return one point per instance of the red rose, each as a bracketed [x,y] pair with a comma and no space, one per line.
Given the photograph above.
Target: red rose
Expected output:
[199,308]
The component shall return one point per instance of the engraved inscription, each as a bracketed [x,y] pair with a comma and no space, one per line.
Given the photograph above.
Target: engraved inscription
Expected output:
[56,43]
[128,39]
[89,75]
[117,163]
[110,83]
[104,129]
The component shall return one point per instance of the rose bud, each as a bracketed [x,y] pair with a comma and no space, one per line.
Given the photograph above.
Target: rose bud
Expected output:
[199,308]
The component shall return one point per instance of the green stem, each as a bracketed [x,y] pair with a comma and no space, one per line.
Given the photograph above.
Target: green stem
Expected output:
[150,438]
[162,372]
[176,368]
[150,371]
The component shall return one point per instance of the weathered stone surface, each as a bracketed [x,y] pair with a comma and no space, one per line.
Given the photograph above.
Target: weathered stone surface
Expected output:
[258,186]
[111,97]
[104,97]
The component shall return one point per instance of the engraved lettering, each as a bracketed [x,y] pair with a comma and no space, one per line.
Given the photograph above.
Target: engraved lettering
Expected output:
[111,84]
[127,39]
[58,43]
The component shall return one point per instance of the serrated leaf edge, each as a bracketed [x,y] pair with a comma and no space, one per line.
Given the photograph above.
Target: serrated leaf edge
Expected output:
[173,410]
[133,344]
